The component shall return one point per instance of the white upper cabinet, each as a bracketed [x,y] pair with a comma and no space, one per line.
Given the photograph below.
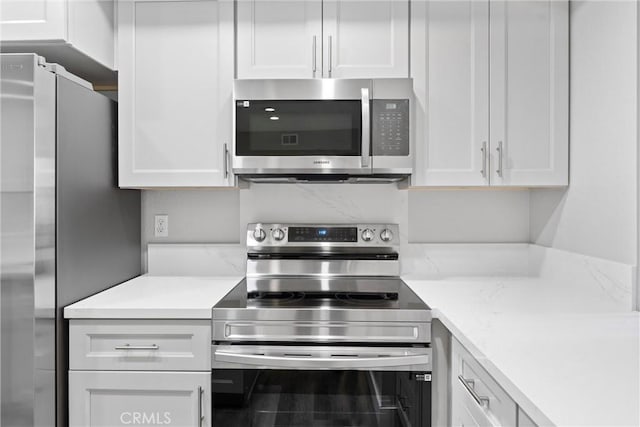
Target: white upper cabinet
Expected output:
[279,39]
[175,90]
[34,20]
[491,83]
[529,93]
[366,38]
[80,35]
[450,66]
[322,39]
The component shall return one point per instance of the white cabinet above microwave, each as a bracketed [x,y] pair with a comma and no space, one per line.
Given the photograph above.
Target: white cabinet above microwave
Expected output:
[322,39]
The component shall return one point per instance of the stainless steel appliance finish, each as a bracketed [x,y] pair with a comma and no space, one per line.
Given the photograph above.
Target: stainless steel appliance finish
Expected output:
[300,130]
[322,303]
[67,232]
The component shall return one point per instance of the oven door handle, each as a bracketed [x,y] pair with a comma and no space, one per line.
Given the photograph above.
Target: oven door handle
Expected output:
[366,128]
[309,361]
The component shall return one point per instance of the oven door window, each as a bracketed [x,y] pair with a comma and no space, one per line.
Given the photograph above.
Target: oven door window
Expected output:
[298,128]
[282,398]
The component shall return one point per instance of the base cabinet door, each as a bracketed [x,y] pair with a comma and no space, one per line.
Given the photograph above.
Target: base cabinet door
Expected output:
[466,412]
[118,398]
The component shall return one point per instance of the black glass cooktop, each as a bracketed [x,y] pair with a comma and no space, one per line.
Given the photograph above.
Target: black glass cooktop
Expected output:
[336,292]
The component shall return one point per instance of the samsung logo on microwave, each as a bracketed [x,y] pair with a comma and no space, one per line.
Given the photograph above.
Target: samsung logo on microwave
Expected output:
[321,162]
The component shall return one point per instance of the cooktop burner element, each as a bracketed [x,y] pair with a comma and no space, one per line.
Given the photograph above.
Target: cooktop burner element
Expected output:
[310,297]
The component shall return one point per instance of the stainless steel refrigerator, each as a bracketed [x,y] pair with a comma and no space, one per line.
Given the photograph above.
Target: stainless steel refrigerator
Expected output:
[67,231]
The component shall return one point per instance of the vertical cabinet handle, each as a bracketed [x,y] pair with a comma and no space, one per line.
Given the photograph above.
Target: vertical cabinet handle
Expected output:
[483,150]
[313,56]
[499,170]
[200,407]
[225,159]
[330,55]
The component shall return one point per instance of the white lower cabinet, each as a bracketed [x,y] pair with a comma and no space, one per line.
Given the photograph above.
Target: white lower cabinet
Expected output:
[121,398]
[139,372]
[476,398]
[465,412]
[524,420]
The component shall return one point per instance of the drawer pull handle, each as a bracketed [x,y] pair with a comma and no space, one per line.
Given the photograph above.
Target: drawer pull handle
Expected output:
[138,347]
[469,385]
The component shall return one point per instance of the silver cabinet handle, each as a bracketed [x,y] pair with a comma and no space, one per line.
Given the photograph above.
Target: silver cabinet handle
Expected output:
[313,58]
[330,56]
[225,154]
[366,128]
[138,347]
[200,406]
[469,385]
[499,170]
[483,150]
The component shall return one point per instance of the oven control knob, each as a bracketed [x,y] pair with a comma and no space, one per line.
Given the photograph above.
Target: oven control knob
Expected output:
[368,235]
[259,234]
[277,234]
[386,235]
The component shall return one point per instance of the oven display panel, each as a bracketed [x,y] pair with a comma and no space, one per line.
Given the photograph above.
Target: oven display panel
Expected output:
[323,234]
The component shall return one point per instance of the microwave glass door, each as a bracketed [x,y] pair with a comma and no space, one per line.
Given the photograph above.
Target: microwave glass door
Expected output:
[299,128]
[288,398]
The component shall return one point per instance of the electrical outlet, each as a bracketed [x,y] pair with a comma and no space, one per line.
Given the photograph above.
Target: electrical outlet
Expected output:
[161,226]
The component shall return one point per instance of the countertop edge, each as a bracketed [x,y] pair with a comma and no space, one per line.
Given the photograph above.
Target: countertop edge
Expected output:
[511,389]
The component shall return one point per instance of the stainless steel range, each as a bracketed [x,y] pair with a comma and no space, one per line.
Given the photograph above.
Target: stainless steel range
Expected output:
[322,332]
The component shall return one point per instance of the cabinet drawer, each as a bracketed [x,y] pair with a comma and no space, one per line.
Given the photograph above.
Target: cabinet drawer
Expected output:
[141,345]
[499,406]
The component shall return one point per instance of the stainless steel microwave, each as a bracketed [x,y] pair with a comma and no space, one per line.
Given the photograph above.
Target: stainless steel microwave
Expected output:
[329,129]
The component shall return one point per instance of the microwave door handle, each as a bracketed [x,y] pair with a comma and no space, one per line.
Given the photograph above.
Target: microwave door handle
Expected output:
[366,128]
[313,362]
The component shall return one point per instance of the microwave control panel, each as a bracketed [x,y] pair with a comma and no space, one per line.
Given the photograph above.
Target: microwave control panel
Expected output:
[390,127]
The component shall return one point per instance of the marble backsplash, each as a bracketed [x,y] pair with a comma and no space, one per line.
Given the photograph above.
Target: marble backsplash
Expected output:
[430,262]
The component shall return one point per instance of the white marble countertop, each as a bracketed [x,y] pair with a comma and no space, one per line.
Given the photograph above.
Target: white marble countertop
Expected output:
[568,353]
[155,297]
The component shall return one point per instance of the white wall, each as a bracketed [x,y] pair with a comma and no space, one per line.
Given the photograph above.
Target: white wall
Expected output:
[469,216]
[597,214]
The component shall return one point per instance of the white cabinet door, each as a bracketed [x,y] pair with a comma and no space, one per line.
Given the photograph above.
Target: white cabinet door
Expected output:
[529,93]
[524,420]
[68,32]
[366,39]
[175,93]
[450,68]
[465,411]
[114,398]
[279,39]
[33,20]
